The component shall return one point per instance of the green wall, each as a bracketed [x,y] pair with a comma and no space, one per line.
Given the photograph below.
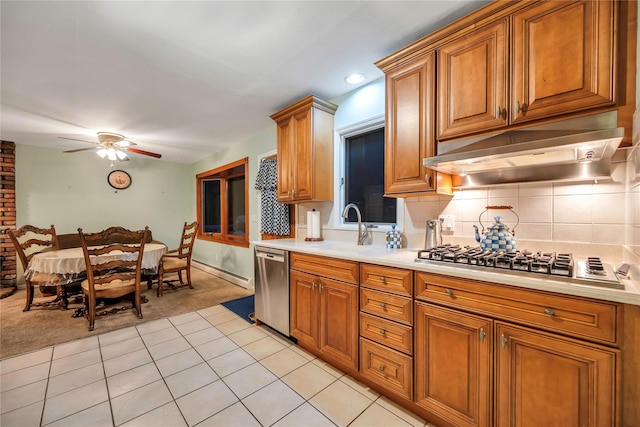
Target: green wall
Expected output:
[235,259]
[71,191]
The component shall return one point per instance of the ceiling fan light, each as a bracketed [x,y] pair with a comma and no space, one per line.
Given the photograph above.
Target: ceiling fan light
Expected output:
[121,154]
[111,154]
[102,153]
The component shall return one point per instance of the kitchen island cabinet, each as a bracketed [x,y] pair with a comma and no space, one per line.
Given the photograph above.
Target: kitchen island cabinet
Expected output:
[324,308]
[305,151]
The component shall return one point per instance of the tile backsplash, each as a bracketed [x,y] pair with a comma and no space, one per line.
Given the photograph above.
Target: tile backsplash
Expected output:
[594,212]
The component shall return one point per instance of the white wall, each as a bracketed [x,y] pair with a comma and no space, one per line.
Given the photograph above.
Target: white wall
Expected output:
[71,191]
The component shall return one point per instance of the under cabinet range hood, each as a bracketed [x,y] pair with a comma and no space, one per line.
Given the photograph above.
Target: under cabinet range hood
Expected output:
[529,156]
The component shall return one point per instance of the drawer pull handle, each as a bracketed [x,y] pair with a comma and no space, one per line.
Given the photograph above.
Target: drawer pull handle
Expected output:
[383,306]
[383,279]
[503,340]
[549,312]
[381,368]
[482,334]
[449,292]
[382,332]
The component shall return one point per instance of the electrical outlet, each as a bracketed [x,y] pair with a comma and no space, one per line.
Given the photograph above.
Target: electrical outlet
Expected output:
[448,222]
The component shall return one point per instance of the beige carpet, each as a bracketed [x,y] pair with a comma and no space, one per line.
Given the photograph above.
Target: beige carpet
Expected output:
[22,332]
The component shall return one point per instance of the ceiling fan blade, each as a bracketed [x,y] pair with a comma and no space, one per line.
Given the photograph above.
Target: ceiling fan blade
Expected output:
[144,153]
[125,143]
[81,140]
[79,149]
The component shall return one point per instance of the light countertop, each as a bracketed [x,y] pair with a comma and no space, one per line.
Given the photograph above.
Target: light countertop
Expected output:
[405,258]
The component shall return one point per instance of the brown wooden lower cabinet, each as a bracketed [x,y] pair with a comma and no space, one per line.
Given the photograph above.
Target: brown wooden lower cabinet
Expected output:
[460,356]
[391,369]
[324,317]
[546,380]
[453,365]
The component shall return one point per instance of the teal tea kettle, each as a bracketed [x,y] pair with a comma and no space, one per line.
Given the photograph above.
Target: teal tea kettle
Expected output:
[498,237]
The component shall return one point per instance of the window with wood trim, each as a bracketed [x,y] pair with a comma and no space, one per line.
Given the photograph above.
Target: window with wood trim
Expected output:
[222,204]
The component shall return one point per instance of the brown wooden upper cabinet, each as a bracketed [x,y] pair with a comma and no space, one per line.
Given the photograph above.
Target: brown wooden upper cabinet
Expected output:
[541,61]
[472,82]
[409,131]
[305,151]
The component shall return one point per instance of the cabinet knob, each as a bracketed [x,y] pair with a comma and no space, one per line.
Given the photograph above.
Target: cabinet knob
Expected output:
[503,340]
[383,306]
[549,312]
[449,292]
[383,279]
[381,368]
[500,112]
[521,108]
[482,334]
[382,332]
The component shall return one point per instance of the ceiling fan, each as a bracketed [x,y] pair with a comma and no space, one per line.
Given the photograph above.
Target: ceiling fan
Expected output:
[113,146]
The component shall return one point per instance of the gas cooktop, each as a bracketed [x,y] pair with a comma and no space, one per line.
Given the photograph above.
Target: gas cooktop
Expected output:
[561,266]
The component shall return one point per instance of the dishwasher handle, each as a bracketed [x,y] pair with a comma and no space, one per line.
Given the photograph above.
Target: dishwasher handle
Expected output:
[269,256]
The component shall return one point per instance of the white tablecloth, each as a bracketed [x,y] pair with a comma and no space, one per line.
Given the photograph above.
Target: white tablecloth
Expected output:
[69,263]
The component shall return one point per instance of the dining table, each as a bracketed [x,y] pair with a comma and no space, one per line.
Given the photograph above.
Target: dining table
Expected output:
[66,267]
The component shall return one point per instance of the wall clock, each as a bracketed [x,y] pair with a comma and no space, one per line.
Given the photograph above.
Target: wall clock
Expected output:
[119,179]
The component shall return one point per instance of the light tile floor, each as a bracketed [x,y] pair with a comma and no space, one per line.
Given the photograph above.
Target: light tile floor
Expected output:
[206,368]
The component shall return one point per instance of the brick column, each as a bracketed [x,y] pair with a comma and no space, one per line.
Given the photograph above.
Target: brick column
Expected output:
[8,275]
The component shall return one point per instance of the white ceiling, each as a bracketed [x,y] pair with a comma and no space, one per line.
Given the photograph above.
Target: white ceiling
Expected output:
[187,78]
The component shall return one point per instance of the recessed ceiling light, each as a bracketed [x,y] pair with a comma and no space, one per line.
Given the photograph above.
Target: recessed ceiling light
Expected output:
[354,79]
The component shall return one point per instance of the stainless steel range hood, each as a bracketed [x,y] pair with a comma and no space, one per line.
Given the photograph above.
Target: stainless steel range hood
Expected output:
[531,155]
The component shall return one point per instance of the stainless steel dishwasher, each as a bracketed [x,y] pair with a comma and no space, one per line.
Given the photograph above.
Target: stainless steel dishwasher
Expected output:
[272,288]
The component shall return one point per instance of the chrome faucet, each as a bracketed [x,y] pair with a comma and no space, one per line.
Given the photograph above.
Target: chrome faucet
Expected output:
[363,231]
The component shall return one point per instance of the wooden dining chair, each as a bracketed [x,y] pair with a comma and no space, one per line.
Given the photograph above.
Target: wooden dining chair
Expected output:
[118,276]
[179,259]
[29,241]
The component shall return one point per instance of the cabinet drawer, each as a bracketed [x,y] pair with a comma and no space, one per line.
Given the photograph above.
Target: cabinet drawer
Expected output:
[386,332]
[388,279]
[575,316]
[386,305]
[333,268]
[389,368]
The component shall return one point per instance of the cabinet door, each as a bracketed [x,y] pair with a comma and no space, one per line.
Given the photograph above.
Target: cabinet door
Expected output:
[453,360]
[302,165]
[338,338]
[409,133]
[563,58]
[547,380]
[286,159]
[304,306]
[472,82]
